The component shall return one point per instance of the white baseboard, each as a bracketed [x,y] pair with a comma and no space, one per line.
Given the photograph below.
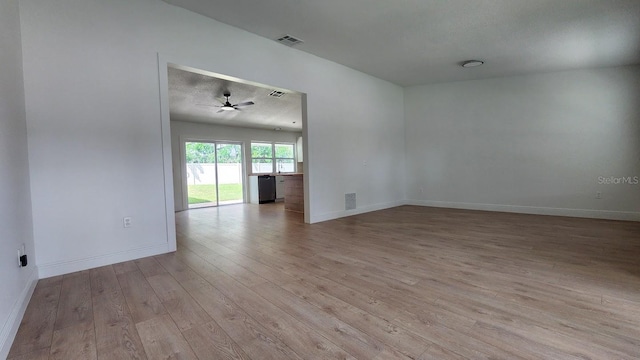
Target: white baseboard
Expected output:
[359,210]
[583,213]
[10,327]
[66,267]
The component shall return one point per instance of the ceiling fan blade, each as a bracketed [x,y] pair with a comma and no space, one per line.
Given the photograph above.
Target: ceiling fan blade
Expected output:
[207,105]
[246,103]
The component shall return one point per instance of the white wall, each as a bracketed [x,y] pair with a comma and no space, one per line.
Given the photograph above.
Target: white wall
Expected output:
[182,131]
[15,201]
[92,95]
[535,143]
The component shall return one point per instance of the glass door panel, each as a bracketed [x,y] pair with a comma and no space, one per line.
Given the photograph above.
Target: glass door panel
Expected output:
[229,169]
[201,174]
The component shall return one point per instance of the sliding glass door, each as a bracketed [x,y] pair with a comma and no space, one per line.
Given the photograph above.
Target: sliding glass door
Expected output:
[229,169]
[214,173]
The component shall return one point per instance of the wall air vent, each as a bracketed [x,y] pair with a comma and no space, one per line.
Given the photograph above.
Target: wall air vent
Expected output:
[276,93]
[289,40]
[350,201]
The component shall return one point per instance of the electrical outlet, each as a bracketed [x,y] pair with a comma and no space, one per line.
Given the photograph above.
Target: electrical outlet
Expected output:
[598,195]
[23,260]
[22,256]
[127,221]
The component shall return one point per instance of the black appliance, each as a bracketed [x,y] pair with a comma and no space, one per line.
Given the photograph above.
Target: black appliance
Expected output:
[266,189]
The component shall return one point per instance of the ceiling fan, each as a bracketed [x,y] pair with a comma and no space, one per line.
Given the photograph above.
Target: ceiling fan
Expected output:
[227,106]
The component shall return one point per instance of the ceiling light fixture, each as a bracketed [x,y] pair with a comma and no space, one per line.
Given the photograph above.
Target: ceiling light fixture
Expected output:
[472,63]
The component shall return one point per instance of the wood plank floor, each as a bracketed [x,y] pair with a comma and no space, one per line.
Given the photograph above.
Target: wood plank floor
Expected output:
[255,282]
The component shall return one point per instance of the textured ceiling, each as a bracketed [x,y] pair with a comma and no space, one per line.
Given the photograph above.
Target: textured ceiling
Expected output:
[192,97]
[411,42]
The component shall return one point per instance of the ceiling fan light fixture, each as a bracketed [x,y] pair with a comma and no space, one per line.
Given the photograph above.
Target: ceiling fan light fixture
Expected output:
[227,108]
[472,63]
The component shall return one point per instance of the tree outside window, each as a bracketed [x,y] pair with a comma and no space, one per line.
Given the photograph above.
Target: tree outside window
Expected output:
[285,159]
[268,158]
[261,158]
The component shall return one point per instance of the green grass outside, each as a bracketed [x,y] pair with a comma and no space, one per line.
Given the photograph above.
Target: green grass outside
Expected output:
[199,194]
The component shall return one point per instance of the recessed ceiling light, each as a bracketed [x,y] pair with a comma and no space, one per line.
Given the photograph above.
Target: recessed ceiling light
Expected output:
[472,63]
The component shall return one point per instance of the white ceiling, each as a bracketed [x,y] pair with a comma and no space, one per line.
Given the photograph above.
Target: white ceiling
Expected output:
[193,95]
[412,42]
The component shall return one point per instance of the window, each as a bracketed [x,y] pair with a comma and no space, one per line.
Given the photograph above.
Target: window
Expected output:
[269,158]
[261,158]
[285,161]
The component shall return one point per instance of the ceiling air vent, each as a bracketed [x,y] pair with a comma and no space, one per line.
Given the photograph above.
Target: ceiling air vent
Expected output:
[289,40]
[276,93]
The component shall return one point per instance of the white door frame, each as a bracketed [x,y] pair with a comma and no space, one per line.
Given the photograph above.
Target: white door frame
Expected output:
[165,130]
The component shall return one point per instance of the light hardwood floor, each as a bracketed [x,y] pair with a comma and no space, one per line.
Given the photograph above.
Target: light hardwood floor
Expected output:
[255,282]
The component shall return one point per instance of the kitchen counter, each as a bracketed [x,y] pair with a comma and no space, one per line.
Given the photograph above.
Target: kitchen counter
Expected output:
[276,174]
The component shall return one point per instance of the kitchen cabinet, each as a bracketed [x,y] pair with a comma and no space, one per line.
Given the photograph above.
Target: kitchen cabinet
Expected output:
[294,193]
[287,187]
[279,187]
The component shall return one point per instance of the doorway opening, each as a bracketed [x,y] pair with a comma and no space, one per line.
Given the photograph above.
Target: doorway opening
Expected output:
[214,173]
